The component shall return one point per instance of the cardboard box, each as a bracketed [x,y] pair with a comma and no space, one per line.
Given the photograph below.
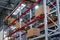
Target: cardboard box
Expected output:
[40,10]
[33,32]
[23,24]
[10,22]
[17,25]
[6,18]
[28,3]
[12,19]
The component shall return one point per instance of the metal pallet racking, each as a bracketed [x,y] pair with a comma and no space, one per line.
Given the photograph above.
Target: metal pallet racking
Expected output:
[45,16]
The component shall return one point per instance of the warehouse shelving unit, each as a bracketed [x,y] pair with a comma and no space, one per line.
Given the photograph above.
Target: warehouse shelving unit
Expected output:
[26,14]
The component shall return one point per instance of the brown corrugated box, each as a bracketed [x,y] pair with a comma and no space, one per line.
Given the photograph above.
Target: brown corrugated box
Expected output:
[23,24]
[12,19]
[16,23]
[33,32]
[6,18]
[40,10]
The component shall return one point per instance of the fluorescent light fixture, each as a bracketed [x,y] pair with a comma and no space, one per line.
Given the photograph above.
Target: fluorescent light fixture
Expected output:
[37,6]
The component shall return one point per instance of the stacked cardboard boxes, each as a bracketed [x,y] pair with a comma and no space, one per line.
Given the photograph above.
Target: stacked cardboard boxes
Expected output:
[33,32]
[40,10]
[16,23]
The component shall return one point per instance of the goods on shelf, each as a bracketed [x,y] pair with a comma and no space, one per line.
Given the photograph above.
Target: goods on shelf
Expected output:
[50,23]
[10,20]
[6,18]
[23,24]
[40,10]
[33,32]
[18,25]
[15,23]
[30,2]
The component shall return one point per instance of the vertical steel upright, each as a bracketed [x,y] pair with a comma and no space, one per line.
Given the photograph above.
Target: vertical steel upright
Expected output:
[30,18]
[20,23]
[45,20]
[58,12]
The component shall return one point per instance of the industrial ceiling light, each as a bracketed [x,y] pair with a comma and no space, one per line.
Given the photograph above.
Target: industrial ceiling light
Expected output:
[37,6]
